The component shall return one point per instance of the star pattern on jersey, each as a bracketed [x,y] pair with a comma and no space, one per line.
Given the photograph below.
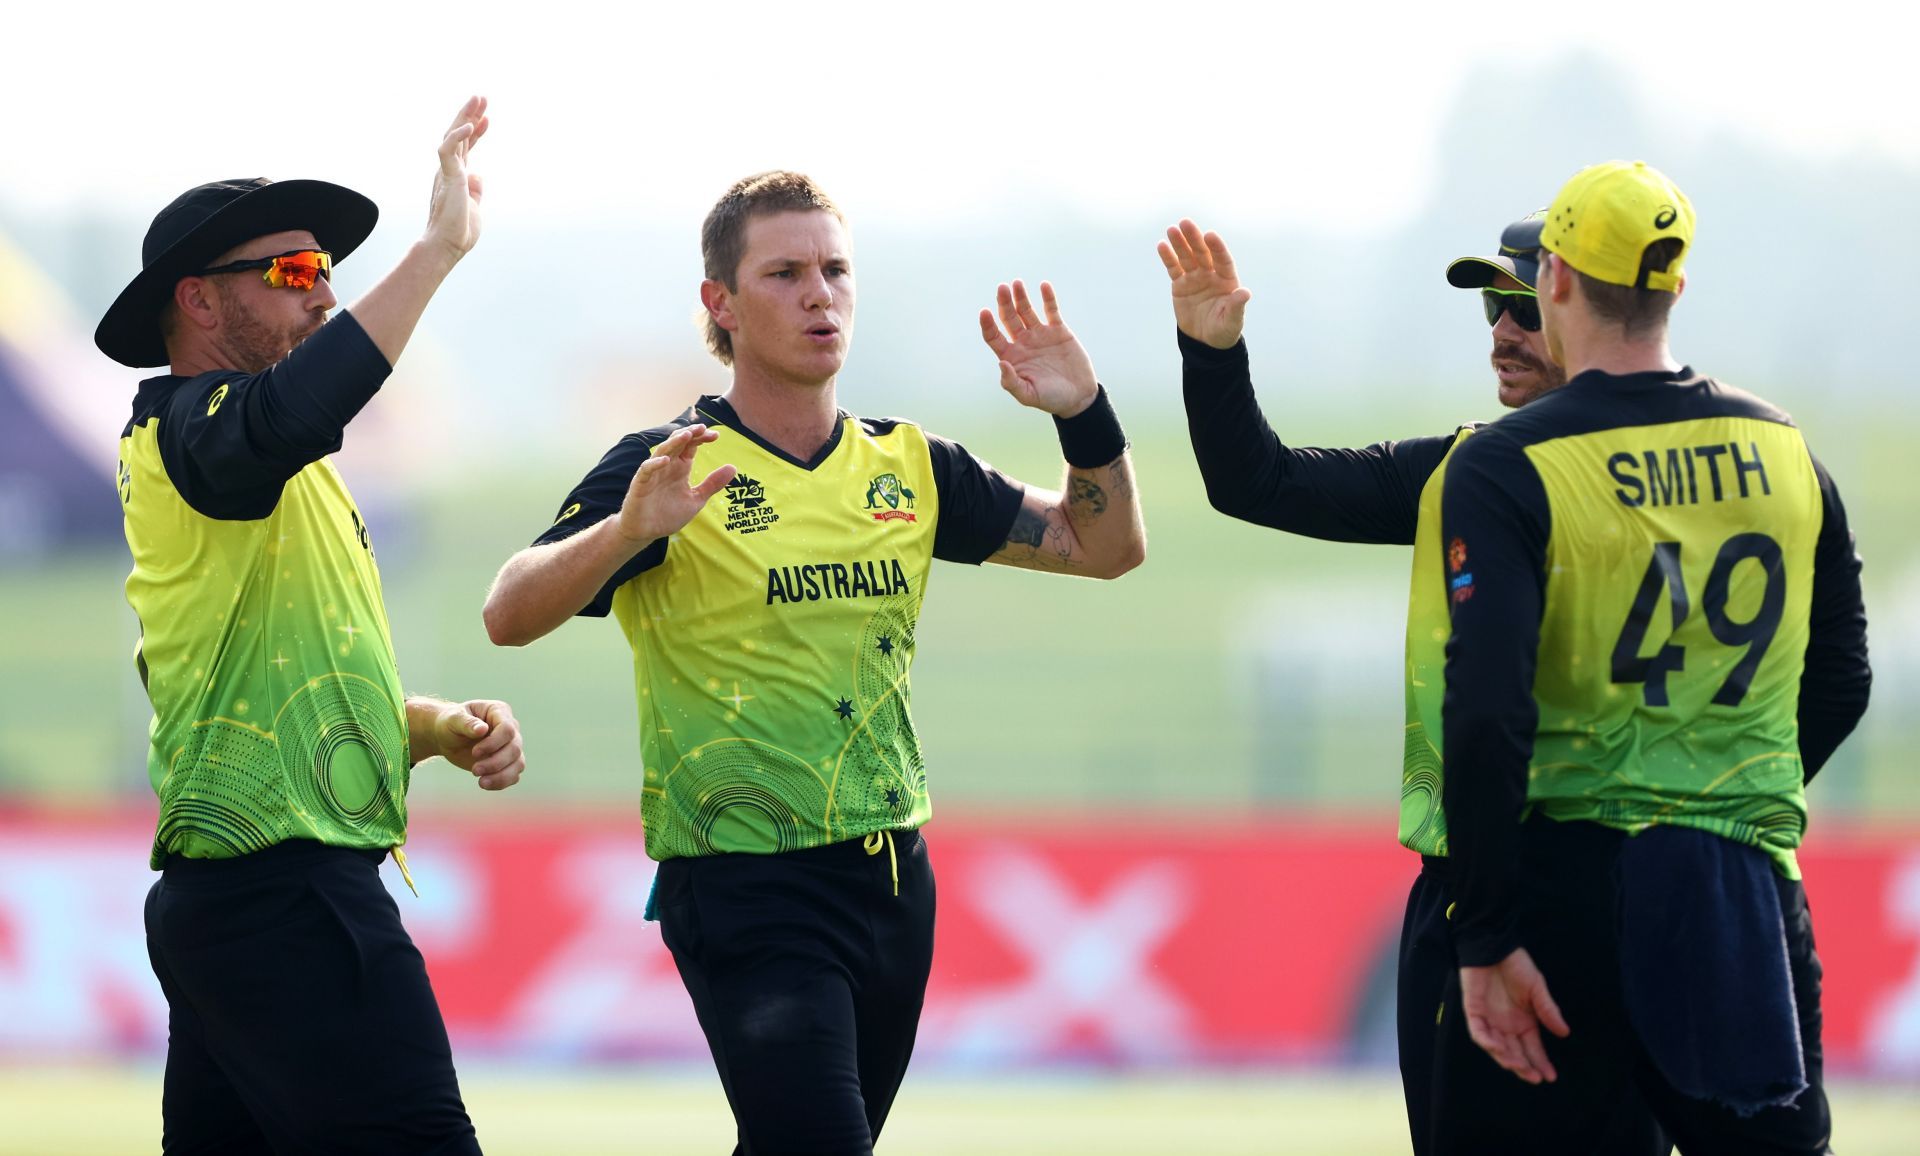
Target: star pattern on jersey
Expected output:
[736,698]
[885,645]
[893,797]
[844,710]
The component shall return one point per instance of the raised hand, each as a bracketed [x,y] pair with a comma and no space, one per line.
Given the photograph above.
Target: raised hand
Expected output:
[1042,364]
[1505,1006]
[453,215]
[1209,303]
[659,501]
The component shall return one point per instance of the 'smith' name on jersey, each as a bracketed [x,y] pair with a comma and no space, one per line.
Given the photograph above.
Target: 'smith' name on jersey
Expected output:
[816,581]
[1674,479]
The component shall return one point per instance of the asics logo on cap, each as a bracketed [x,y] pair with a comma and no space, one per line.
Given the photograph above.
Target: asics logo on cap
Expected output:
[1667,215]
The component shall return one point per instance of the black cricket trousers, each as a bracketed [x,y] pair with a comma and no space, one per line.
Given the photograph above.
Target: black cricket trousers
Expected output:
[300,1020]
[807,970]
[1570,925]
[1427,964]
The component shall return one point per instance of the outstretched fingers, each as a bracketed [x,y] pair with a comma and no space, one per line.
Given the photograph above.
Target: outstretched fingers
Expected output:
[1167,257]
[1185,260]
[469,125]
[1050,301]
[1010,310]
[1534,1052]
[452,155]
[1222,260]
[1196,243]
[1502,1048]
[474,108]
[714,483]
[1023,305]
[1548,1012]
[682,442]
[990,332]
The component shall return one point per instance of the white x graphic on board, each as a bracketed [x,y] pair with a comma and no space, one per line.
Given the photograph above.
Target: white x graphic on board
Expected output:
[1087,964]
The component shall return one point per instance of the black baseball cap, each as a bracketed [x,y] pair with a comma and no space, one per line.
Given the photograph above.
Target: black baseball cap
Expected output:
[1519,245]
[206,221]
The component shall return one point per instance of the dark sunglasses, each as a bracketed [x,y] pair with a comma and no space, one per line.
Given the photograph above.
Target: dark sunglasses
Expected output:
[300,269]
[1522,303]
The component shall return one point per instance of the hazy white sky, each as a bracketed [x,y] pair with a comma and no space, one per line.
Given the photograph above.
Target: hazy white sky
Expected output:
[904,111]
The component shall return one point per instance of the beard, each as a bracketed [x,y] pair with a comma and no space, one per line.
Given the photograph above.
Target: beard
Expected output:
[1551,376]
[255,346]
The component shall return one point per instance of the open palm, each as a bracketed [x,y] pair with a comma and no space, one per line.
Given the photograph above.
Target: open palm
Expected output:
[1209,303]
[659,499]
[1042,364]
[453,213]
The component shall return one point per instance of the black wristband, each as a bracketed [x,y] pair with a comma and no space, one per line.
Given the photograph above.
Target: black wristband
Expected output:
[1092,438]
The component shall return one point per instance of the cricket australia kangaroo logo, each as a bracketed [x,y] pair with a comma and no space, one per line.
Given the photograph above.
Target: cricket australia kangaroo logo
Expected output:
[887,488]
[748,510]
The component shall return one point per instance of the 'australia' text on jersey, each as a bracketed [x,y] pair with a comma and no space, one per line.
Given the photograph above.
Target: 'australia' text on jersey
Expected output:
[811,583]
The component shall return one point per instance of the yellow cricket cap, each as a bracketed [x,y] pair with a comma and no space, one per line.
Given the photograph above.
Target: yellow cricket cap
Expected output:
[1602,221]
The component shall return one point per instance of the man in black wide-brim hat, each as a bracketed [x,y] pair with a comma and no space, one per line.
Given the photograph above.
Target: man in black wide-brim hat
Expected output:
[301,1019]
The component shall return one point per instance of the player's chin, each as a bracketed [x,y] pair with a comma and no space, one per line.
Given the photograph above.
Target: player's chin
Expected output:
[819,366]
[1518,391]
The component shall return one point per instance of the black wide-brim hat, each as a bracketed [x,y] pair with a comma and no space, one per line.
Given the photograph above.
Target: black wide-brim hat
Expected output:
[1519,245]
[206,221]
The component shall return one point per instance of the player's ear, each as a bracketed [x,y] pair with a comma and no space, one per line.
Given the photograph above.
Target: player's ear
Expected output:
[719,304]
[1554,281]
[193,303]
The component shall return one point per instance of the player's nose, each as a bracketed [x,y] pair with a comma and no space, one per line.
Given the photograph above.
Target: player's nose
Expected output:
[818,294]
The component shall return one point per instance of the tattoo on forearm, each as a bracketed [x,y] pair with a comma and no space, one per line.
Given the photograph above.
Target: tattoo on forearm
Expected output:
[1086,501]
[1038,533]
[1029,527]
[1061,536]
[1120,481]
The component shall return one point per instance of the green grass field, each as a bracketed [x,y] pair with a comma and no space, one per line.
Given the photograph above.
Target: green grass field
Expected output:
[575,1112]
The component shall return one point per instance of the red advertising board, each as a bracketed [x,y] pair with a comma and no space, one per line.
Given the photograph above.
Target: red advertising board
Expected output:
[1116,942]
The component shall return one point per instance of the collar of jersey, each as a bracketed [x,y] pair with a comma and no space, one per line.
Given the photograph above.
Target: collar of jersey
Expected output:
[719,412]
[1652,377]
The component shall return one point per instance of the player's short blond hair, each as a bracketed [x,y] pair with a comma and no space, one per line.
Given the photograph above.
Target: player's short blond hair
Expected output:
[723,237]
[1638,311]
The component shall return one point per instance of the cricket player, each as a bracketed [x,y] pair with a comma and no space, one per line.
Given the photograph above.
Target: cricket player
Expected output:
[300,1017]
[1657,639]
[1388,492]
[767,554]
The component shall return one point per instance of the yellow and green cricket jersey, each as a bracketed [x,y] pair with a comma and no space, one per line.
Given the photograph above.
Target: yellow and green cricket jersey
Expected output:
[1423,819]
[772,636]
[1631,563]
[264,644]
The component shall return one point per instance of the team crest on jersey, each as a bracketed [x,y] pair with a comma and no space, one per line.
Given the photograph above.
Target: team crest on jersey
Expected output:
[1460,585]
[888,488]
[748,509]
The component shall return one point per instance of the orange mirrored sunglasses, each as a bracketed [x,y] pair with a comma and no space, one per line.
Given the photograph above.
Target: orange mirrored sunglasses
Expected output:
[300,269]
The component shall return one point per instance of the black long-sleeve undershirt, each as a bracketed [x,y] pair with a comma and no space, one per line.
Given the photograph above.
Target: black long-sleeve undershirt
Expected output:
[1837,679]
[1342,495]
[231,440]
